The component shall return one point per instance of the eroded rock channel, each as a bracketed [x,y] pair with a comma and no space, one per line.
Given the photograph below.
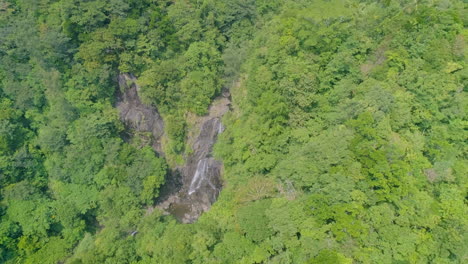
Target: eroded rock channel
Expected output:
[192,188]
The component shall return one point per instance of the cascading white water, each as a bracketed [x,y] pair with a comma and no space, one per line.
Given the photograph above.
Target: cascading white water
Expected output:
[202,176]
[199,175]
[220,127]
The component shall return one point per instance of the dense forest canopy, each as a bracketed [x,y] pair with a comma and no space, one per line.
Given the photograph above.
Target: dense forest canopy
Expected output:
[346,141]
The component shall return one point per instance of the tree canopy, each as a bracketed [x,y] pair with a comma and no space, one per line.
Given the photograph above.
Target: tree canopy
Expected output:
[346,141]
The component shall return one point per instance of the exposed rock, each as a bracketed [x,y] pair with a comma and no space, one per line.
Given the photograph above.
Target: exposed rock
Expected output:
[201,174]
[190,189]
[136,115]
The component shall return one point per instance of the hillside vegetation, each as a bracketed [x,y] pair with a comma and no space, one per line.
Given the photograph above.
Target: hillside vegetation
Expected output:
[346,141]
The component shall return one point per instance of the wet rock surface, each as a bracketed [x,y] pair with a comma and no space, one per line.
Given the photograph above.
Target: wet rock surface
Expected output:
[201,174]
[190,189]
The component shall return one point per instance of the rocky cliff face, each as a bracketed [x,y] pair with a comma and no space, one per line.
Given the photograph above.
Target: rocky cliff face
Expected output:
[201,174]
[136,116]
[191,189]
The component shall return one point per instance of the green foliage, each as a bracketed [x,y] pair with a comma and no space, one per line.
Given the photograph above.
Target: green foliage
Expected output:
[360,113]
[232,249]
[346,142]
[252,220]
[327,256]
[175,127]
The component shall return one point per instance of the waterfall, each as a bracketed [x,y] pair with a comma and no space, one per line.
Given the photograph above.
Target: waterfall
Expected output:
[206,170]
[220,127]
[199,175]
[193,187]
